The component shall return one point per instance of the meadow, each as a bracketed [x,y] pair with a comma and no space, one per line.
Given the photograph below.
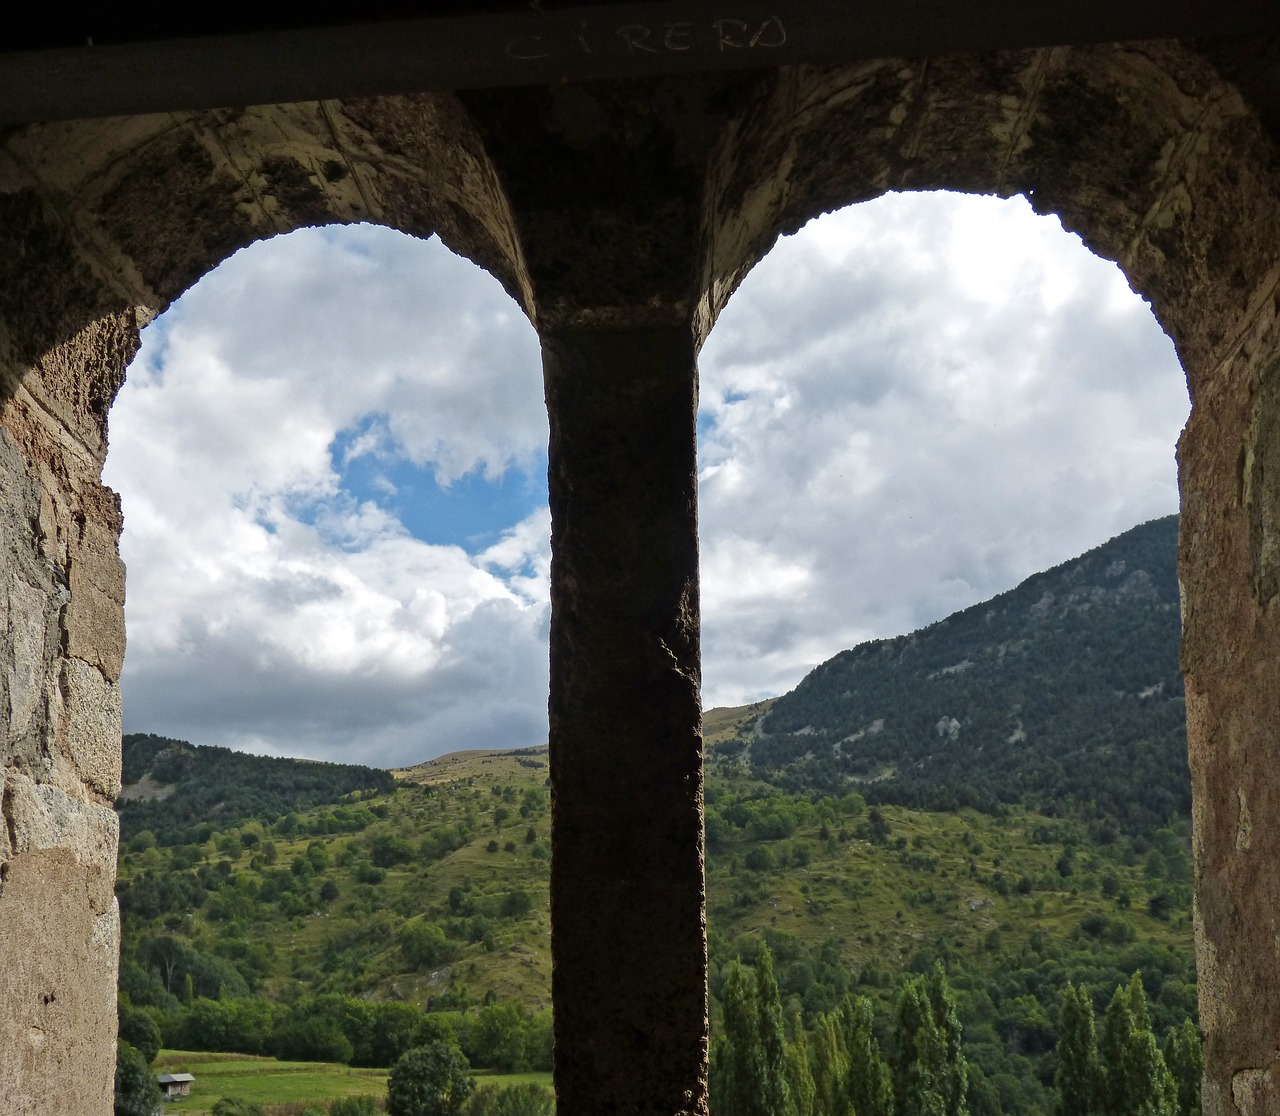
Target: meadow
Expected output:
[285,1088]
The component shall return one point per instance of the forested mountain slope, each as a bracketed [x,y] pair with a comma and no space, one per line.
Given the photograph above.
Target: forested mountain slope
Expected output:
[183,792]
[1062,694]
[430,902]
[321,911]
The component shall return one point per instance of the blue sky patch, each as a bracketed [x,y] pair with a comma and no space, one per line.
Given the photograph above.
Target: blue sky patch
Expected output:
[472,512]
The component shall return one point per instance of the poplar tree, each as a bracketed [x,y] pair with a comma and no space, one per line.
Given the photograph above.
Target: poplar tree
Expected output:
[749,1073]
[775,1095]
[954,1071]
[1136,1079]
[800,1084]
[931,1076]
[1184,1055]
[868,1085]
[736,1066]
[830,1061]
[1078,1077]
[919,1052]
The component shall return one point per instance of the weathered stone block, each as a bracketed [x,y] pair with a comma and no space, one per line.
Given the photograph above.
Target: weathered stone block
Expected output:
[91,729]
[95,614]
[24,641]
[56,868]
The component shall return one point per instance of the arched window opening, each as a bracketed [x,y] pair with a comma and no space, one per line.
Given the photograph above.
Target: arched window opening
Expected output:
[331,454]
[908,408]
[332,459]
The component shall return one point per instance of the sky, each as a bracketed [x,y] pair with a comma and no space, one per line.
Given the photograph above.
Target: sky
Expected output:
[331,454]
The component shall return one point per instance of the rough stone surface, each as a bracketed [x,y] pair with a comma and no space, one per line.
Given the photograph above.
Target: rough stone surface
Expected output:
[57,867]
[622,215]
[626,747]
[1231,630]
[90,729]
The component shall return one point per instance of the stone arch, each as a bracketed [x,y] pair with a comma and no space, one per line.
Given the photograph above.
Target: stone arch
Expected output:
[142,207]
[1142,149]
[1160,165]
[621,215]
[102,225]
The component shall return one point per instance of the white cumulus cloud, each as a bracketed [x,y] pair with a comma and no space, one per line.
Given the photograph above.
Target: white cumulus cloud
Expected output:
[909,406]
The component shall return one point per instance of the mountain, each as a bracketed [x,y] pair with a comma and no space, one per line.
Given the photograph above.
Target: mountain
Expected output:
[325,911]
[1062,694]
[182,792]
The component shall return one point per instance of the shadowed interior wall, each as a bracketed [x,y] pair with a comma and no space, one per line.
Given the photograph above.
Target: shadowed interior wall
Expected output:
[668,192]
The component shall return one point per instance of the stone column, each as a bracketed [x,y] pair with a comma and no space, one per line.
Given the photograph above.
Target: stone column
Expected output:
[1229,566]
[627,890]
[61,650]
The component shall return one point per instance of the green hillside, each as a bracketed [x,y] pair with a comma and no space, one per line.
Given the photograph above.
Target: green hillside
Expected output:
[1062,694]
[434,897]
[347,925]
[181,792]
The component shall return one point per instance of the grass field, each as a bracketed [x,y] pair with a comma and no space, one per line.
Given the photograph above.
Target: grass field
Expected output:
[264,1081]
[284,1088]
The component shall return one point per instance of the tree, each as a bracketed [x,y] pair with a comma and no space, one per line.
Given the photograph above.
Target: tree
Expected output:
[749,1071]
[931,1076]
[918,1054]
[954,1072]
[497,1038]
[429,1081]
[868,1084]
[1136,1081]
[424,944]
[830,1065]
[1184,1056]
[393,1028]
[735,1063]
[138,1029]
[538,1041]
[136,1092]
[311,1040]
[800,1085]
[776,1092]
[1078,1078]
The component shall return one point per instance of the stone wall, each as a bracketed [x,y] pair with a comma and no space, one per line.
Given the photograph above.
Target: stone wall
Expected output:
[102,224]
[61,650]
[621,216]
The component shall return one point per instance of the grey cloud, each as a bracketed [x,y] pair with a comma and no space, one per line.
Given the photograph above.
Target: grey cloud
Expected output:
[232,688]
[365,313]
[894,430]
[935,446]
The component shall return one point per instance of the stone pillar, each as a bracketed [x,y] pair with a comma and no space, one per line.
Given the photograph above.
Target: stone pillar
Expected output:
[61,647]
[627,884]
[1229,566]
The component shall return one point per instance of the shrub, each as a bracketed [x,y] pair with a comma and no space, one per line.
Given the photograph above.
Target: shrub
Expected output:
[515,904]
[136,1093]
[424,945]
[387,852]
[429,1081]
[233,1106]
[353,1106]
[526,1099]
